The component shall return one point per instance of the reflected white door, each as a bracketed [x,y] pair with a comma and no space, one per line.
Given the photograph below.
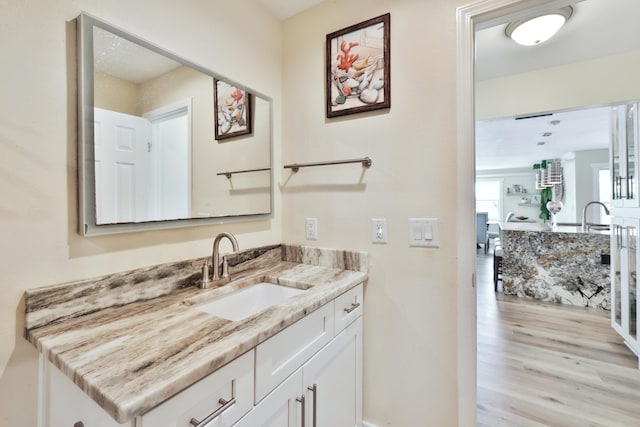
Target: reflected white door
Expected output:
[171,163]
[121,152]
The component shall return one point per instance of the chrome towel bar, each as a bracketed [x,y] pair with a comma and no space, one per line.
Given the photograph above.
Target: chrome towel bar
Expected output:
[366,162]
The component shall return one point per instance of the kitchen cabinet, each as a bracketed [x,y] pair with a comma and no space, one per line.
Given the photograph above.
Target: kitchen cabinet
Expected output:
[625,258]
[623,156]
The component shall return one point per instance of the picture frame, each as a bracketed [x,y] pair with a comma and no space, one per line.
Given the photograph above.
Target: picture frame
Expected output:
[517,188]
[358,68]
[232,110]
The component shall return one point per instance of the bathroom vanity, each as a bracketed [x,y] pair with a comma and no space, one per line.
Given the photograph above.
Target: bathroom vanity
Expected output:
[142,348]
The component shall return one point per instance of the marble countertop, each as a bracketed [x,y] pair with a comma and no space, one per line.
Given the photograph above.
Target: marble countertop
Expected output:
[538,227]
[130,351]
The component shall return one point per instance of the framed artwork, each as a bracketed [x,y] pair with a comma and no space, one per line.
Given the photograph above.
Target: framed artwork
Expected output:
[232,110]
[517,188]
[358,65]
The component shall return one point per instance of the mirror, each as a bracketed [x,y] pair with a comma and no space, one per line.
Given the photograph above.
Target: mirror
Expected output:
[148,154]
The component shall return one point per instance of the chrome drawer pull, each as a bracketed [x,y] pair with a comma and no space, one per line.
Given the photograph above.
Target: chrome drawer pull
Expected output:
[353,307]
[226,404]
[301,399]
[314,389]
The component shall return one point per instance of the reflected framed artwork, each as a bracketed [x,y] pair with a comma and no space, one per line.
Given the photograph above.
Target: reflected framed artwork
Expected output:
[232,110]
[358,65]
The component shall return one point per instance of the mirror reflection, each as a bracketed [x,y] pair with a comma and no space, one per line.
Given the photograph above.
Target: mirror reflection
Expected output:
[154,156]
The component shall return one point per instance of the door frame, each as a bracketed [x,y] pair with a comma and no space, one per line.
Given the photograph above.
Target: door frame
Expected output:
[471,17]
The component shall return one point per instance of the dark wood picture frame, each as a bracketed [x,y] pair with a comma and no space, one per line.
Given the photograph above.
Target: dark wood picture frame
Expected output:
[358,67]
[232,110]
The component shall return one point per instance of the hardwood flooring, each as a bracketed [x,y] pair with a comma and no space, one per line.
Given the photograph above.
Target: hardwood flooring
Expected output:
[544,364]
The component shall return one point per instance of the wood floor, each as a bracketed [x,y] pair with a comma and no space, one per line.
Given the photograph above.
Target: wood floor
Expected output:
[542,364]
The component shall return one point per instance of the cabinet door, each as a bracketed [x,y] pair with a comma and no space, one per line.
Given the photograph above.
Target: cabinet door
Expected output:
[630,290]
[282,354]
[65,405]
[333,381]
[617,235]
[281,408]
[218,400]
[625,258]
[624,155]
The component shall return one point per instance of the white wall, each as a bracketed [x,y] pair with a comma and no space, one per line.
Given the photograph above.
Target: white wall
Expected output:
[410,329]
[39,244]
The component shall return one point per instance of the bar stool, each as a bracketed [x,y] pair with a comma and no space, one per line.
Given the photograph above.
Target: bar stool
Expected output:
[498,253]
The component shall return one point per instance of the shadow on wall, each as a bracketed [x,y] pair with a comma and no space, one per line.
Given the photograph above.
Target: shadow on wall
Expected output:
[19,379]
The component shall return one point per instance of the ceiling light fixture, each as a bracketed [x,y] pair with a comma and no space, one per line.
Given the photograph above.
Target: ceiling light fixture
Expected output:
[539,28]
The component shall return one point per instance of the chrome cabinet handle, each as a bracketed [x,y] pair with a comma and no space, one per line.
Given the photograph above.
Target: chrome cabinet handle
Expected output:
[301,399]
[353,307]
[314,389]
[226,404]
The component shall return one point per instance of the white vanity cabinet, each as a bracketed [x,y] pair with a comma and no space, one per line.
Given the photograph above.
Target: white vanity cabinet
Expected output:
[218,400]
[309,374]
[321,358]
[62,404]
[625,259]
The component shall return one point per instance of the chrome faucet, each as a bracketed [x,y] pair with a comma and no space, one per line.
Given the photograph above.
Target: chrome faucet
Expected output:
[217,279]
[585,225]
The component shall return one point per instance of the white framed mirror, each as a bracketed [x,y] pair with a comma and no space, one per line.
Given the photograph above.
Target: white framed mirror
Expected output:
[147,154]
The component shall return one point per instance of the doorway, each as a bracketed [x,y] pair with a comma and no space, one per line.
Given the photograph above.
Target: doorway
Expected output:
[471,18]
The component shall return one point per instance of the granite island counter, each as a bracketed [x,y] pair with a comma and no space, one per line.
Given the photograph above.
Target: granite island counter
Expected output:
[563,265]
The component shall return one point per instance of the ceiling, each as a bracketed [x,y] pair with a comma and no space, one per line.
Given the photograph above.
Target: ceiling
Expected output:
[284,9]
[597,28]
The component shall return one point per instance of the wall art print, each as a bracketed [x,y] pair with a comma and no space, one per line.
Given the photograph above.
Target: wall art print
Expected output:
[232,110]
[358,67]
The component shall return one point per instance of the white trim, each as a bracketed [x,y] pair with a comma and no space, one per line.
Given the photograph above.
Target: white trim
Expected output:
[368,424]
[483,13]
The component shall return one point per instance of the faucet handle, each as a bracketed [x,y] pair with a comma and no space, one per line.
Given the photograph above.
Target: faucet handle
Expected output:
[205,274]
[225,267]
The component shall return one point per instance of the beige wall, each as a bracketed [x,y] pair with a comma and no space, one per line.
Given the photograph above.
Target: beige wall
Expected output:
[214,195]
[39,244]
[112,93]
[410,326]
[600,81]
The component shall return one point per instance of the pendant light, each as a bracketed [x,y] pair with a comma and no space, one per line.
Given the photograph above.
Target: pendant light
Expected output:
[539,28]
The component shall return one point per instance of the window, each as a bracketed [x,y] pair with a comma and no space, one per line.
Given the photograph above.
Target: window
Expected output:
[601,191]
[488,198]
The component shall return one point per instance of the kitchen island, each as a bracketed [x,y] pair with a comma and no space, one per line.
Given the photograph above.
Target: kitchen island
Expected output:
[563,265]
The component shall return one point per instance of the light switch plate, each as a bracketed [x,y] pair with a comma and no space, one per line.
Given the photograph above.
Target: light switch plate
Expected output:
[423,232]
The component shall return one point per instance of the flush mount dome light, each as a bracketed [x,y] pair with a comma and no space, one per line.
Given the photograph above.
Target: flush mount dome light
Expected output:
[536,30]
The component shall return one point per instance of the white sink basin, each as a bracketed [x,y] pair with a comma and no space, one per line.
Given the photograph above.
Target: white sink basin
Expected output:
[249,301]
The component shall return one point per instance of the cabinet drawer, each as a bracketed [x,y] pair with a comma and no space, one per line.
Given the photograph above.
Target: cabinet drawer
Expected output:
[348,307]
[285,352]
[227,392]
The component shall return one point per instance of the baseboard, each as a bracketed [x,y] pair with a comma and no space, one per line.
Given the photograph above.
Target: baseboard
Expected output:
[368,424]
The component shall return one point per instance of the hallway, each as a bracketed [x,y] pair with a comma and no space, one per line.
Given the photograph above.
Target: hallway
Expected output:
[542,364]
